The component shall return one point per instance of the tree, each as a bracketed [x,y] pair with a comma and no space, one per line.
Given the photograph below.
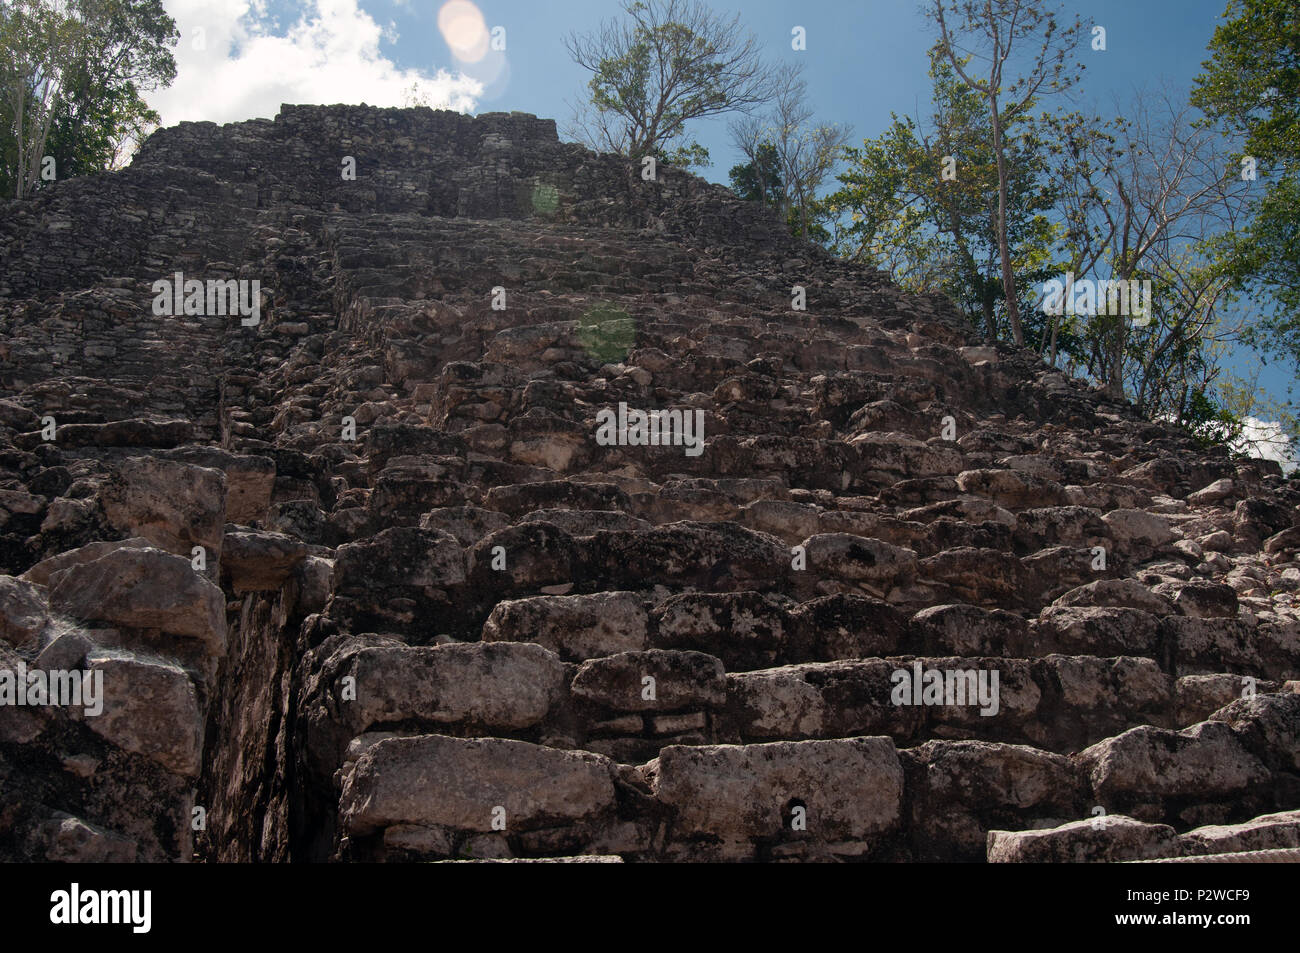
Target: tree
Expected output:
[759,179]
[1172,363]
[989,33]
[38,40]
[1145,202]
[804,153]
[922,202]
[126,52]
[1082,151]
[1251,85]
[667,63]
[82,67]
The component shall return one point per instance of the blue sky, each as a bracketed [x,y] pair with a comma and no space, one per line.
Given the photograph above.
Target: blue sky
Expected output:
[864,59]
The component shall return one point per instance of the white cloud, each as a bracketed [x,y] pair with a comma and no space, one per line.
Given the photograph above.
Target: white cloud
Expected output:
[246,67]
[1266,440]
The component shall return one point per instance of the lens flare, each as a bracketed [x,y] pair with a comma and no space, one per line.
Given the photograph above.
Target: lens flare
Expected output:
[464,29]
[607,333]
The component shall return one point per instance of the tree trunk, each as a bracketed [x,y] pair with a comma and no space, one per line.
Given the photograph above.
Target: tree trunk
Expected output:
[22,137]
[1004,250]
[1115,385]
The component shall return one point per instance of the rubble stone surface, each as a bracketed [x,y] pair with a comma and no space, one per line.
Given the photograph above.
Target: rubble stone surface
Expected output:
[363,581]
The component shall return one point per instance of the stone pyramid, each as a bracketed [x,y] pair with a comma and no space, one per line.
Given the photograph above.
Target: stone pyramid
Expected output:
[394,485]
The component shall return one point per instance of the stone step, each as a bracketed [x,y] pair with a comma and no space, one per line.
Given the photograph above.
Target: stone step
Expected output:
[359,645]
[631,699]
[1117,837]
[432,796]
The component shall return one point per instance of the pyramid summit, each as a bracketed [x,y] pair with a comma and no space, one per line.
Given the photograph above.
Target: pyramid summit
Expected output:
[364,580]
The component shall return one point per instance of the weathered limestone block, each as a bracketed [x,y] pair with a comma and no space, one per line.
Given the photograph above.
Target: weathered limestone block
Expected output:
[851,789]
[254,561]
[433,780]
[1097,630]
[1201,600]
[1207,646]
[21,724]
[1268,726]
[977,576]
[574,627]
[132,432]
[551,442]
[714,556]
[1269,832]
[858,559]
[887,455]
[71,840]
[174,505]
[535,555]
[681,680]
[1117,593]
[1197,697]
[959,790]
[18,502]
[387,440]
[519,499]
[1256,520]
[773,704]
[1101,697]
[1059,526]
[844,625]
[401,558]
[249,480]
[586,522]
[1216,492]
[1106,839]
[468,524]
[1138,533]
[746,630]
[24,613]
[150,708]
[496,686]
[1050,573]
[43,570]
[1012,489]
[145,589]
[406,489]
[1206,760]
[969,630]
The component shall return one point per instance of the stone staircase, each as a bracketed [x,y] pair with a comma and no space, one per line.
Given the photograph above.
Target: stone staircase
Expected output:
[918,598]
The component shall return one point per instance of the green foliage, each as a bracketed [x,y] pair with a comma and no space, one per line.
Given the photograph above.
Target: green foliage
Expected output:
[667,63]
[1252,81]
[1251,85]
[690,155]
[128,53]
[1210,422]
[607,333]
[921,203]
[760,180]
[81,67]
[788,157]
